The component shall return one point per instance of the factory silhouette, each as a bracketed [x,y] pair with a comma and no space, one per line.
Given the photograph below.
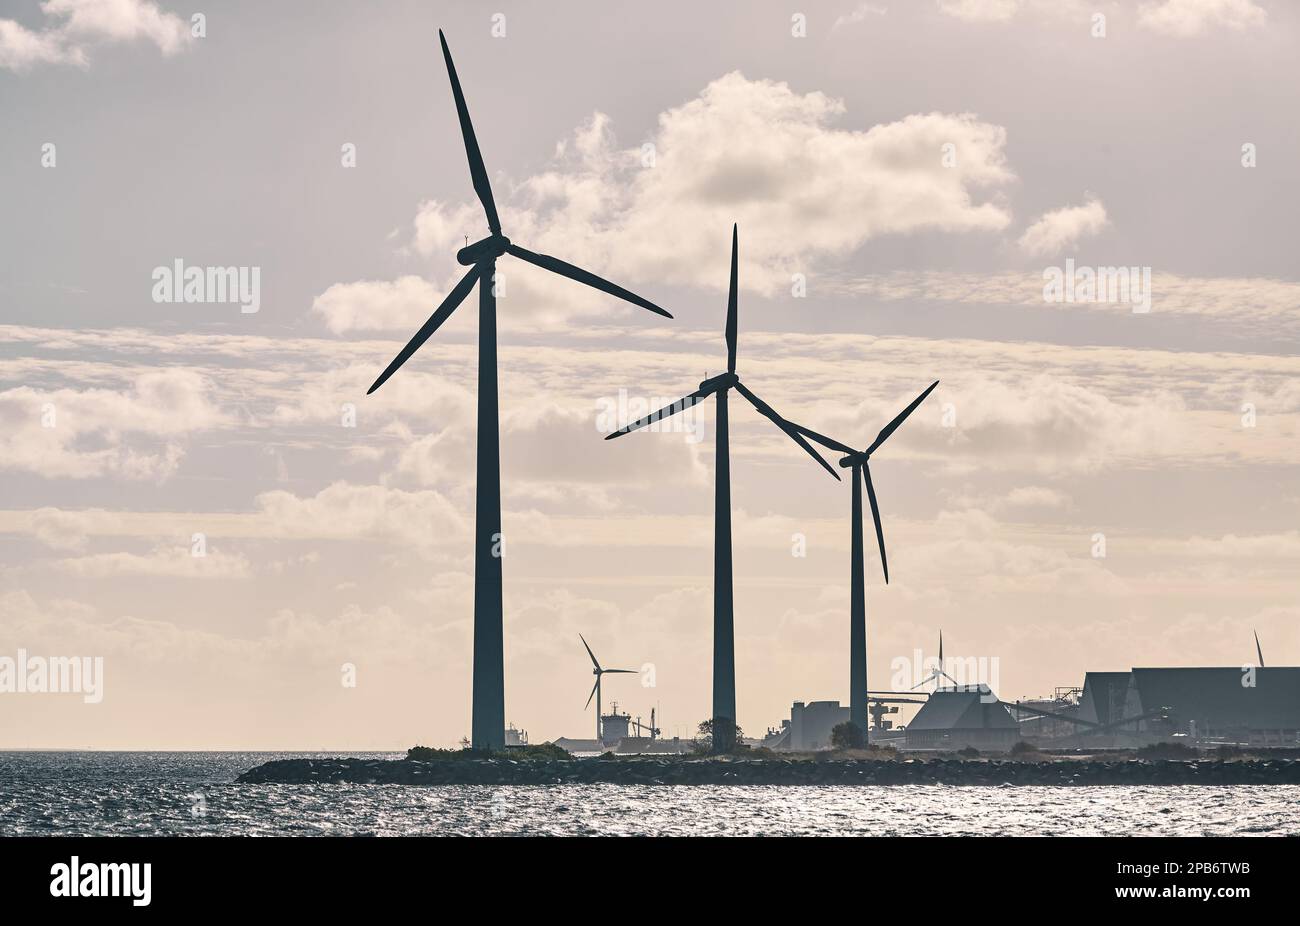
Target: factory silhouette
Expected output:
[1247,705]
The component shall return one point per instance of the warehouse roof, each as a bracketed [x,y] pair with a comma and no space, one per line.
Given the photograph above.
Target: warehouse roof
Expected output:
[972,707]
[1220,696]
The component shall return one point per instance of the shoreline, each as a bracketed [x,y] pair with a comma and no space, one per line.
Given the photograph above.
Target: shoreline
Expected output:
[768,771]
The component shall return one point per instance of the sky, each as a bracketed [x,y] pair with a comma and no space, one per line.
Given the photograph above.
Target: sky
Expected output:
[1095,484]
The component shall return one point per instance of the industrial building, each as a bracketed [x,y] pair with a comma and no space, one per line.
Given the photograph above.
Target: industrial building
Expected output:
[616,736]
[809,727]
[960,717]
[1229,705]
[1104,694]
[1254,706]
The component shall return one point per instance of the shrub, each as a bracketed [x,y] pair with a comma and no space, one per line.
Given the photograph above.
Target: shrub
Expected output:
[1021,748]
[704,738]
[847,735]
[970,752]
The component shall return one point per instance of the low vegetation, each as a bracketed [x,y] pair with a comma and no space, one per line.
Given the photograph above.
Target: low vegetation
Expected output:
[1167,751]
[848,735]
[703,742]
[545,752]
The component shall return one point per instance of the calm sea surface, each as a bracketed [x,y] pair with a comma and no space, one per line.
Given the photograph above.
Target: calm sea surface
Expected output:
[170,793]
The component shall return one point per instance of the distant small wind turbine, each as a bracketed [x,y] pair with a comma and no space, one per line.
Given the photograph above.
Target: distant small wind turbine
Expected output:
[858,462]
[724,644]
[598,672]
[938,671]
[489,712]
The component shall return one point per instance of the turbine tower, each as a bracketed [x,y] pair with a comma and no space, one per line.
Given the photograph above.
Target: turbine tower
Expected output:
[489,713]
[724,644]
[595,691]
[857,461]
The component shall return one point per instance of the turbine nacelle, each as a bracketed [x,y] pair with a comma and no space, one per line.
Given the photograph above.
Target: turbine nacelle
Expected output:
[490,247]
[854,459]
[478,255]
[719,383]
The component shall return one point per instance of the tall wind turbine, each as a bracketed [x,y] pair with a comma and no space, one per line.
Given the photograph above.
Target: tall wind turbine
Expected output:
[724,644]
[489,713]
[857,461]
[595,691]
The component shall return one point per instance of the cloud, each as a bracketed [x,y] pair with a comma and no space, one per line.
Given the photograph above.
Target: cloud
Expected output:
[559,445]
[859,14]
[1061,229]
[174,562]
[981,10]
[59,530]
[1048,425]
[342,511]
[1017,500]
[130,434]
[377,305]
[1251,304]
[21,48]
[81,24]
[756,152]
[1186,18]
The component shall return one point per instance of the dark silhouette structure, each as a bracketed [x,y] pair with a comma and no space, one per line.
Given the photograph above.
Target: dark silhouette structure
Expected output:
[488,723]
[724,644]
[598,672]
[856,460]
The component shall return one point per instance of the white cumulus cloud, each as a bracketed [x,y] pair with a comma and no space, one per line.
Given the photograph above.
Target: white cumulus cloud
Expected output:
[75,26]
[1063,228]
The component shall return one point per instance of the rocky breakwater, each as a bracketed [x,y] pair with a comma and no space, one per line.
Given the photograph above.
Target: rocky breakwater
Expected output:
[775,771]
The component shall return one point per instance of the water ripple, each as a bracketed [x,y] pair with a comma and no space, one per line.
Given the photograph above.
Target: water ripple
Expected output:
[96,793]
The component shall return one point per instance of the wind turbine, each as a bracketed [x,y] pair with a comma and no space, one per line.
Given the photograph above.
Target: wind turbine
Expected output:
[724,644]
[488,722]
[938,671]
[595,691]
[858,462]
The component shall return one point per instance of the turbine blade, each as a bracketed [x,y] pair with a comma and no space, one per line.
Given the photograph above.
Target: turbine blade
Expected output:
[924,681]
[823,439]
[593,693]
[731,305]
[875,516]
[589,652]
[625,671]
[667,411]
[476,169]
[768,412]
[555,265]
[1258,651]
[443,312]
[940,647]
[893,425]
